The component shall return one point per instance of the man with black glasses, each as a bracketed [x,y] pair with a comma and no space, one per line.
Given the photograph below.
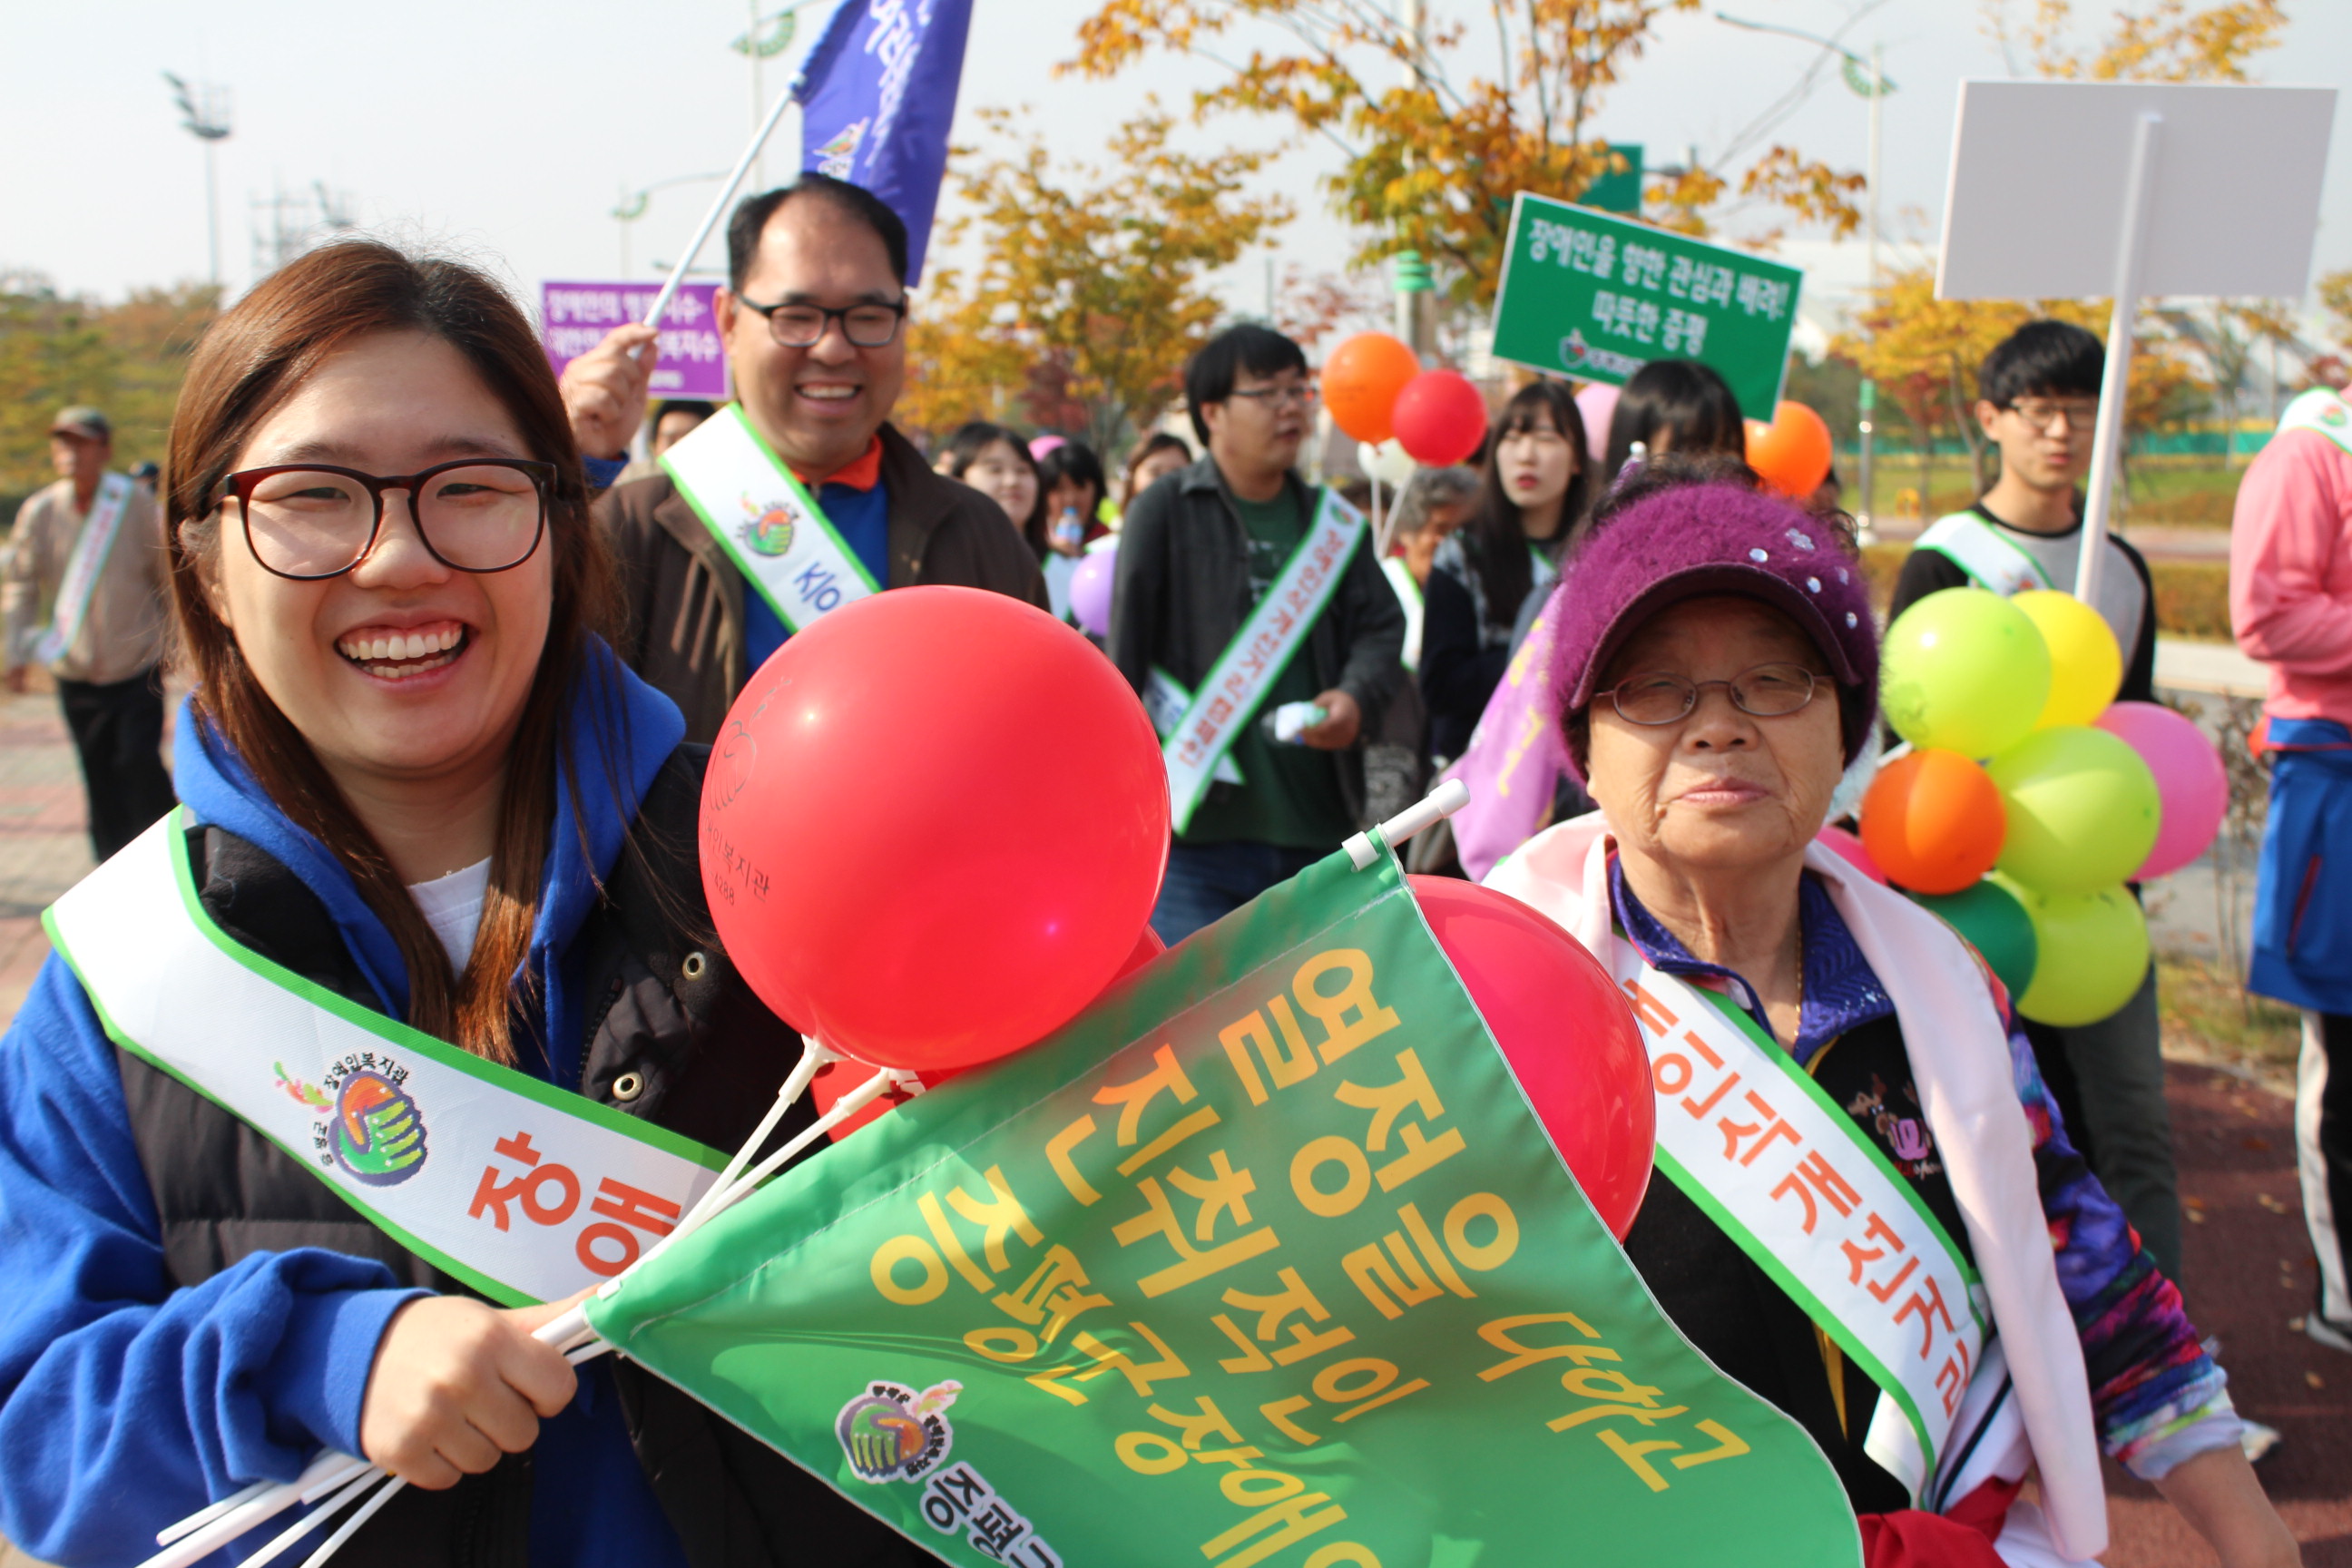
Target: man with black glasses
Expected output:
[2037,398]
[1248,611]
[800,497]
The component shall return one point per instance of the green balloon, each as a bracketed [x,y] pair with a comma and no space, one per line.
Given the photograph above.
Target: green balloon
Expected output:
[1963,670]
[2083,809]
[1996,925]
[2094,950]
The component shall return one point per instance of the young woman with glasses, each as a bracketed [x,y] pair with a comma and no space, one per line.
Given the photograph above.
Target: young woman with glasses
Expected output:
[417,780]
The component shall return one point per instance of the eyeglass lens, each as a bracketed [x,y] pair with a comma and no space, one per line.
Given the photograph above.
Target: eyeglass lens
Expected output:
[1767,691]
[313,523]
[2042,412]
[866,326]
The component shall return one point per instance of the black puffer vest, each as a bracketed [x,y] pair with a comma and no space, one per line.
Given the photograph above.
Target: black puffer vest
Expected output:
[673,1035]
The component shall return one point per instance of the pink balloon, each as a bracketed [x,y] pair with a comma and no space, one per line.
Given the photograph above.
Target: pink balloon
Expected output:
[1598,404]
[1847,845]
[1091,590]
[2190,780]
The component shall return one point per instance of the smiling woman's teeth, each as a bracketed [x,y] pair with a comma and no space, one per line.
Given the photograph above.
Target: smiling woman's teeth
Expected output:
[394,656]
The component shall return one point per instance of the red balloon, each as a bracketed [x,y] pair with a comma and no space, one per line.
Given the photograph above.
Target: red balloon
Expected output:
[1440,417]
[1565,1028]
[861,828]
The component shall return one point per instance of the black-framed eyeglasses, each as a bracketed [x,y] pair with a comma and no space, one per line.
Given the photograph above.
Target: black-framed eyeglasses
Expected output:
[1300,396]
[2042,412]
[866,325]
[1767,691]
[310,520]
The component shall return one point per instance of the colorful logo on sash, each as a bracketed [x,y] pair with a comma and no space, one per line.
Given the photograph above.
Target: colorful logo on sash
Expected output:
[374,1128]
[769,531]
[893,1434]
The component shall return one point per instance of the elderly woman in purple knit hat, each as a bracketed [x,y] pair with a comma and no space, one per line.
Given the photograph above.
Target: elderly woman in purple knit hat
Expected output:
[1863,1178]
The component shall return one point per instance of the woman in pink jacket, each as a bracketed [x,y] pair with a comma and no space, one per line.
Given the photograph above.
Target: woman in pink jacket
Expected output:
[2291,605]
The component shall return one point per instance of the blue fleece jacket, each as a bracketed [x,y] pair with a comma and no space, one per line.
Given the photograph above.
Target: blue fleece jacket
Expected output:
[125,1404]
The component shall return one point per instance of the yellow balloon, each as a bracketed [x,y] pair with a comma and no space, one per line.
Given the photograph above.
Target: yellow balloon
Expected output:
[2086,669]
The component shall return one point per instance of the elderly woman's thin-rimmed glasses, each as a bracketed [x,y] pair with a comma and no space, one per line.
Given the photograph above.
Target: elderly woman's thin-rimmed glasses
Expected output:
[1767,691]
[314,521]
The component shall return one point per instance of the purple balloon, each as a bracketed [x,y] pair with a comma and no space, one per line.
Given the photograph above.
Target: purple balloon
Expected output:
[2190,782]
[1091,590]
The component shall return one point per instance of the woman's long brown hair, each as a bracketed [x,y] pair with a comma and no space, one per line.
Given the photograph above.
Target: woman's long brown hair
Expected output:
[250,361]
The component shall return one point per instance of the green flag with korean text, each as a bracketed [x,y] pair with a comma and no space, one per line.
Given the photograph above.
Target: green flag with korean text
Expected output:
[1262,1259]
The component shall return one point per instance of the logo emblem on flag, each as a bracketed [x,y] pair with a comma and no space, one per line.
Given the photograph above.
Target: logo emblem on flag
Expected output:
[891,1433]
[839,155]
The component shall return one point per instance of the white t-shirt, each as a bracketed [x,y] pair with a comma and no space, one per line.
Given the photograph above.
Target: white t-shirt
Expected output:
[452,906]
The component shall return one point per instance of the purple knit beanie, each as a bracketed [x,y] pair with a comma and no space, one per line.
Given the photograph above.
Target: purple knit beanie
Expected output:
[1705,539]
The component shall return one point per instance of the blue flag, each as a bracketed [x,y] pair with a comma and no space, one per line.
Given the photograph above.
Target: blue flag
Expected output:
[877,96]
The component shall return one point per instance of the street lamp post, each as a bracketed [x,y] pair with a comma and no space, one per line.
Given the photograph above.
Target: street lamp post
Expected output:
[1866,79]
[767,37]
[203,114]
[633,205]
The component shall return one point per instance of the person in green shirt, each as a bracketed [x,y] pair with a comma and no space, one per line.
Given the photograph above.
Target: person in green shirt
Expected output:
[1196,558]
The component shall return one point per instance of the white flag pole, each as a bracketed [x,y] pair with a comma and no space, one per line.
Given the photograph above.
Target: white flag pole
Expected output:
[718,206]
[2114,385]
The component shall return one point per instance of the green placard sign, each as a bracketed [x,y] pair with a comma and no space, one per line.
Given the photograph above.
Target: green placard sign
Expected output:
[1615,192]
[1263,1259]
[1594,296]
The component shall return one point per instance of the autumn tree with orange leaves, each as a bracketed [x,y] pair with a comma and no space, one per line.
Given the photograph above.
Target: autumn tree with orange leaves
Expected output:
[1090,289]
[1436,143]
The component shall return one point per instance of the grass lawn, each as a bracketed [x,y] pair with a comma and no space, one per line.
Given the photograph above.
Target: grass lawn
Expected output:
[2192,597]
[2175,491]
[2202,1004]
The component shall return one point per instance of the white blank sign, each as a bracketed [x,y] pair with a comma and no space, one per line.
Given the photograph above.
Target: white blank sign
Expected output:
[2035,206]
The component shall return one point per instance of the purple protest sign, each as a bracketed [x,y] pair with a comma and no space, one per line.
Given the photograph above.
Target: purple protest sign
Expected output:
[574,317]
[1514,759]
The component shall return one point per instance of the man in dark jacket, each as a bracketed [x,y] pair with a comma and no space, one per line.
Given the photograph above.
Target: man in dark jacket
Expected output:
[1198,551]
[813,318]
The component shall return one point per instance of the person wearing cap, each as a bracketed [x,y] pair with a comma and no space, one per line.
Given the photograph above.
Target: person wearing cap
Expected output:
[83,592]
[1854,1146]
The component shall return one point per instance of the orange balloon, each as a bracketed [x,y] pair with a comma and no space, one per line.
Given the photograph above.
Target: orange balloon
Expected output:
[1934,821]
[1361,383]
[1792,453]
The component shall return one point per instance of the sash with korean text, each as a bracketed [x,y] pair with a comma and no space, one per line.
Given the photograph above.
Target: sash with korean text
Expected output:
[1977,548]
[1263,1259]
[1753,1140]
[79,583]
[525,1191]
[1166,701]
[766,520]
[1243,675]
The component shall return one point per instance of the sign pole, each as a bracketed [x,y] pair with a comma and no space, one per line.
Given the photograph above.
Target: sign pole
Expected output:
[2114,385]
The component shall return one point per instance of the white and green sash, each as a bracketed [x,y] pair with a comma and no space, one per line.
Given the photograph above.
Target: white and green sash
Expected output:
[1277,630]
[2322,410]
[766,520]
[1166,701]
[91,546]
[1753,1140]
[524,1191]
[1977,548]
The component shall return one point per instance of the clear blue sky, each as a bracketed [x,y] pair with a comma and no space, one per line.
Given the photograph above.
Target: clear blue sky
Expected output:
[509,130]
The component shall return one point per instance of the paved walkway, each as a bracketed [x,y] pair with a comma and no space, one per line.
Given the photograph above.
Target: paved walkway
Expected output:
[44,846]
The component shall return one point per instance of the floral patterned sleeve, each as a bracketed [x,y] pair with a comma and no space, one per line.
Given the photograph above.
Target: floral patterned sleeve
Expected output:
[2158,1397]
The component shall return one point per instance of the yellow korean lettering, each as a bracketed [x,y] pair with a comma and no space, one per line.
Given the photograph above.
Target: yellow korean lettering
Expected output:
[1331,1149]
[997,1215]
[908,1249]
[1498,1333]
[1350,1016]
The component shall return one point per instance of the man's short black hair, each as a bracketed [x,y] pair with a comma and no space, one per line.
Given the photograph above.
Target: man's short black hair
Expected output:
[2043,359]
[1210,378]
[699,407]
[750,221]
